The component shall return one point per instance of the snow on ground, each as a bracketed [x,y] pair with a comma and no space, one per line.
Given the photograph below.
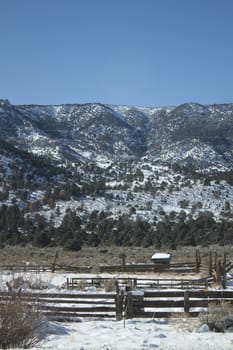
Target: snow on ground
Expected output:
[55,282]
[135,334]
[139,334]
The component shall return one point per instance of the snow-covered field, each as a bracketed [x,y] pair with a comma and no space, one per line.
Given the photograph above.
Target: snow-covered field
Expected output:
[88,334]
[138,334]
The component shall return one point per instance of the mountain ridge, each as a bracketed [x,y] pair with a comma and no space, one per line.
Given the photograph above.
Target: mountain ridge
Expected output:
[95,174]
[121,132]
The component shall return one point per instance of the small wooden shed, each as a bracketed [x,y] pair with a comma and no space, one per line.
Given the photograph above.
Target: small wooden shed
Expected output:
[161,258]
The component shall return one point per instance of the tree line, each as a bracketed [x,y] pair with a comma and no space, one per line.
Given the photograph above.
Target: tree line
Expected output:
[102,229]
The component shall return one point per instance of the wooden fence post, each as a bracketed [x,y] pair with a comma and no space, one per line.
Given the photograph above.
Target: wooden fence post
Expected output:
[186,302]
[210,264]
[219,272]
[129,305]
[215,260]
[119,302]
[123,257]
[224,278]
[117,287]
[54,262]
[198,261]
[199,256]
[119,305]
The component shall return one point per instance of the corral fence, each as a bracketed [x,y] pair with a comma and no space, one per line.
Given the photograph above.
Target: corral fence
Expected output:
[69,306]
[129,268]
[185,267]
[45,268]
[123,304]
[179,267]
[216,267]
[157,304]
[139,283]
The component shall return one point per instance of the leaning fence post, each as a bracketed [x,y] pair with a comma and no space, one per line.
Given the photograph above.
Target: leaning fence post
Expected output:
[186,302]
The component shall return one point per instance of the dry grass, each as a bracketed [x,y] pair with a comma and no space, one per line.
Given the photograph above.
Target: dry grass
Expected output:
[21,281]
[17,282]
[110,285]
[185,323]
[94,257]
[220,316]
[19,324]
[86,257]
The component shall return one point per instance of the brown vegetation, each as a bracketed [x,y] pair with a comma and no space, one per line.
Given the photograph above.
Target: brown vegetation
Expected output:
[95,256]
[19,324]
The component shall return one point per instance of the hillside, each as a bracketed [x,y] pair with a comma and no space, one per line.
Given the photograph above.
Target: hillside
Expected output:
[99,174]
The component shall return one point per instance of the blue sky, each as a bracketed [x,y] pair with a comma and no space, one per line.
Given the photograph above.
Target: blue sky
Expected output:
[132,52]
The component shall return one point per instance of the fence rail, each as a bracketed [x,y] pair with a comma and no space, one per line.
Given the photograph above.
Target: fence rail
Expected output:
[166,303]
[141,283]
[130,268]
[155,267]
[69,306]
[174,267]
[215,267]
[44,268]
[131,304]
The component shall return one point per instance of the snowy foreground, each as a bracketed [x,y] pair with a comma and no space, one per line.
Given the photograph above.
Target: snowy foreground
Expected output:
[136,334]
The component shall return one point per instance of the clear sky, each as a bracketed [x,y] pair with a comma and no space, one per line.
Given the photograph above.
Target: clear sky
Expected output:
[133,52]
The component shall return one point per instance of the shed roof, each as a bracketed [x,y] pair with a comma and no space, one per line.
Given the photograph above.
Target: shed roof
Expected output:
[163,256]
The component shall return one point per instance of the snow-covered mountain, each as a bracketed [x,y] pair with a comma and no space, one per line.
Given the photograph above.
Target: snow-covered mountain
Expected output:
[190,134]
[129,161]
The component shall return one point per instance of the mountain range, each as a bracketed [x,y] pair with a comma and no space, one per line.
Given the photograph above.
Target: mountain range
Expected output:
[129,161]
[190,134]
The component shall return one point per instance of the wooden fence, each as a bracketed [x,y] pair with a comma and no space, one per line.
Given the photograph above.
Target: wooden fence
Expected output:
[130,268]
[130,304]
[25,268]
[185,267]
[156,304]
[177,267]
[215,267]
[44,268]
[139,283]
[69,306]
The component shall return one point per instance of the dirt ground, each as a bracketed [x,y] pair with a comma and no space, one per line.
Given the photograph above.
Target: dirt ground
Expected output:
[102,255]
